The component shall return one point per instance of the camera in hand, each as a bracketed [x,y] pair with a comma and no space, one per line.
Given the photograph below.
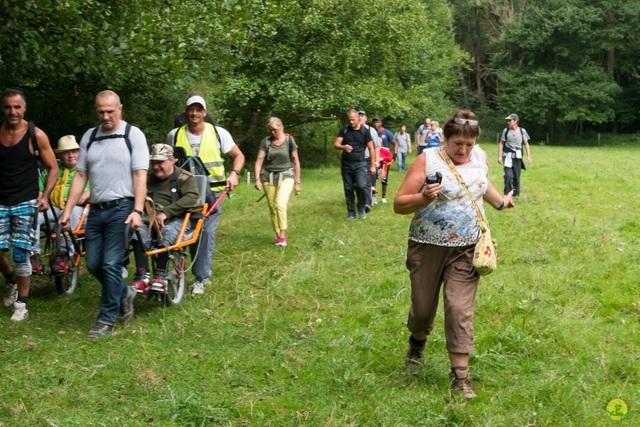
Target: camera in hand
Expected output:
[434,179]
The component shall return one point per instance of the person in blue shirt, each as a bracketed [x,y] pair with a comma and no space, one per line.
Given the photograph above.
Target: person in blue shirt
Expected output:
[434,136]
[388,141]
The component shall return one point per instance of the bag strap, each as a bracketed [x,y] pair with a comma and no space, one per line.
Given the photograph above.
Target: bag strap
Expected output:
[93,138]
[482,221]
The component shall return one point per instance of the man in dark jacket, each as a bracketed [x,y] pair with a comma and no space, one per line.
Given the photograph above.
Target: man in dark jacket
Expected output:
[174,191]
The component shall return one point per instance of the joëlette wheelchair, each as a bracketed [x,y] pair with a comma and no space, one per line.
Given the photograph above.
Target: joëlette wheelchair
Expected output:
[68,282]
[176,271]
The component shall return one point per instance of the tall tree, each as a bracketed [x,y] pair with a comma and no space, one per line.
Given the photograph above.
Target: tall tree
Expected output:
[310,60]
[562,63]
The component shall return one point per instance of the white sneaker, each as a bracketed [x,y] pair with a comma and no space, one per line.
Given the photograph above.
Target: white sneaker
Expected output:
[374,200]
[383,200]
[197,288]
[20,311]
[10,295]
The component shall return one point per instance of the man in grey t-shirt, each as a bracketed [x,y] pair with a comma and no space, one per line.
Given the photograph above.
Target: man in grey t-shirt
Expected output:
[421,135]
[403,146]
[114,157]
[510,153]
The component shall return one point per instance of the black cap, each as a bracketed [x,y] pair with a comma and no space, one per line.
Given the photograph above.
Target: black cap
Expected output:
[377,119]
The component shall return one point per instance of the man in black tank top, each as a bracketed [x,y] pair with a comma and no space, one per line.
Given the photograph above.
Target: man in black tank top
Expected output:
[21,144]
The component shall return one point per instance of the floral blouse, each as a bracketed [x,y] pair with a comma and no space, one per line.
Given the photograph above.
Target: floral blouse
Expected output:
[451,220]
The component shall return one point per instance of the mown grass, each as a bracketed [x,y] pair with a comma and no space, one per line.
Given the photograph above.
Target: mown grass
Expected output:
[313,334]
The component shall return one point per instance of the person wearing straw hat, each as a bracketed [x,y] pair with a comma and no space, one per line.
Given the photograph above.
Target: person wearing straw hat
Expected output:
[67,153]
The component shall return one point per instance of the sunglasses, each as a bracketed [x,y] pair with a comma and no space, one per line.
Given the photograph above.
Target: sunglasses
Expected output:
[463,121]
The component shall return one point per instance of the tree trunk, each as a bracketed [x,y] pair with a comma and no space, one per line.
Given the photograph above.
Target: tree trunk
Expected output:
[611,53]
[478,55]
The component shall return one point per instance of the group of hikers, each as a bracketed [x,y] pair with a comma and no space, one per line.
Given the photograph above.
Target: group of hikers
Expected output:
[444,189]
[107,170]
[367,152]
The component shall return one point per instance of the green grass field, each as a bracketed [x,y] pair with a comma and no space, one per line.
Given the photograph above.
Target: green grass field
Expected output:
[314,334]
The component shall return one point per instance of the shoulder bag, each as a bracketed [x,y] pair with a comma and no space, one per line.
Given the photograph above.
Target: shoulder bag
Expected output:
[485,253]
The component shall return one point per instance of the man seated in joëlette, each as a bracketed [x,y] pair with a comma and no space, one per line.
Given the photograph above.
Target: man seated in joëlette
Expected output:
[174,191]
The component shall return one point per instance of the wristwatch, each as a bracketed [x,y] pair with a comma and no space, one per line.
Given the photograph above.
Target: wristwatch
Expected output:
[138,211]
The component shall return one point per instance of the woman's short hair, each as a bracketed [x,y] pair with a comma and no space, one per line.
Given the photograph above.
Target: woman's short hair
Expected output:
[463,122]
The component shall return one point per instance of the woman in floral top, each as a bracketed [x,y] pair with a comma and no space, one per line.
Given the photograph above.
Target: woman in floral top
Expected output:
[442,238]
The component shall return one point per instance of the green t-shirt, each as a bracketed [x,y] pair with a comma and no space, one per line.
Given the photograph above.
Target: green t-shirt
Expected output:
[277,158]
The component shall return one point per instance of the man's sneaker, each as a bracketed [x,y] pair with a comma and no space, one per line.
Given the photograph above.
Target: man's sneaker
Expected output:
[282,241]
[415,357]
[100,330]
[126,305]
[59,265]
[20,311]
[197,288]
[363,215]
[159,282]
[36,265]
[383,200]
[141,281]
[374,200]
[461,384]
[350,217]
[10,295]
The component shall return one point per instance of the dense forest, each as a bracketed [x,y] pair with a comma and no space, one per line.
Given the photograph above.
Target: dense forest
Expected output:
[565,66]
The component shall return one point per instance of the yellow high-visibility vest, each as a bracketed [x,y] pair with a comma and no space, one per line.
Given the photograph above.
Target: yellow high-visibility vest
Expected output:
[209,154]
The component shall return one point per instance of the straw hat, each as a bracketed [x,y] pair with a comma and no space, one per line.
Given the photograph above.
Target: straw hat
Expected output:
[67,143]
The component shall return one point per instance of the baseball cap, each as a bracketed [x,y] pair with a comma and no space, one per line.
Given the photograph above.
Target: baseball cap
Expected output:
[377,119]
[197,100]
[362,113]
[161,152]
[512,117]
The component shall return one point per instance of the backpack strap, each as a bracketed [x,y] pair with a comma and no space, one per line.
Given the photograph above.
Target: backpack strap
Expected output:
[94,138]
[288,139]
[34,141]
[175,136]
[127,131]
[36,149]
[504,135]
